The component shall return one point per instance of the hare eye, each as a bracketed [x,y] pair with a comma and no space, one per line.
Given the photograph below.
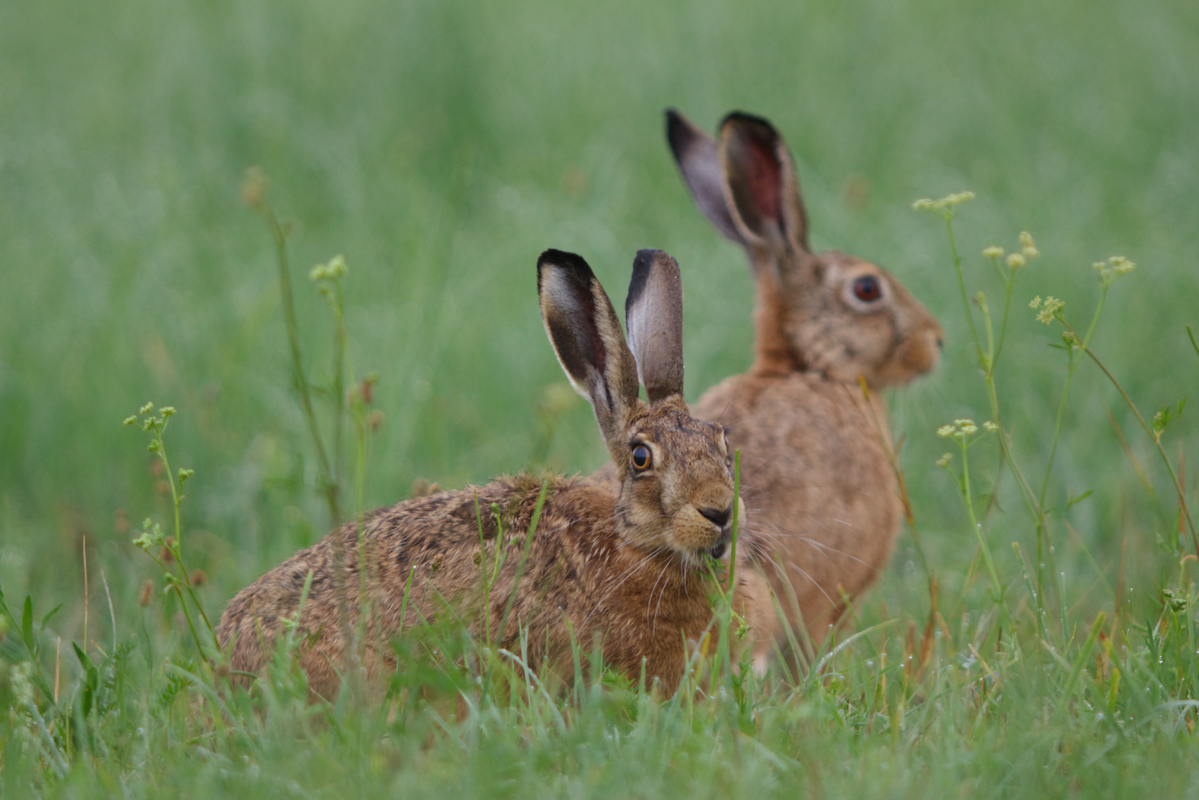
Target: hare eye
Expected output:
[867,289]
[642,458]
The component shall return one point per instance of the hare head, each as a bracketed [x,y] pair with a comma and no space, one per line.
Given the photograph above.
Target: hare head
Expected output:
[676,484]
[828,313]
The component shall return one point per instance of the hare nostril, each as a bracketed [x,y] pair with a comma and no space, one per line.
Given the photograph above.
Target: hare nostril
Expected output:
[718,516]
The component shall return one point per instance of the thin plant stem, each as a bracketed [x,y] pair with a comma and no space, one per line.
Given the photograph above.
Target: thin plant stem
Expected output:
[957,264]
[978,531]
[1156,442]
[329,486]
[340,358]
[1061,411]
[736,507]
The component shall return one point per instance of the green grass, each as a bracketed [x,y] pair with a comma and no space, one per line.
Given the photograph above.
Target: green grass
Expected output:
[441,148]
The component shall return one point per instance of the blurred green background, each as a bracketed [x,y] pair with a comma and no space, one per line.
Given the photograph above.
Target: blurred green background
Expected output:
[441,146]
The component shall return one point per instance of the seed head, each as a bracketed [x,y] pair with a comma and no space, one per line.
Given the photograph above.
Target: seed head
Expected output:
[961,429]
[1028,246]
[1050,308]
[945,205]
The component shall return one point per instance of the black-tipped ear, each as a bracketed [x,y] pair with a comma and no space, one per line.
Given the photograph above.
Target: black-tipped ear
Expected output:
[653,315]
[698,157]
[586,335]
[762,186]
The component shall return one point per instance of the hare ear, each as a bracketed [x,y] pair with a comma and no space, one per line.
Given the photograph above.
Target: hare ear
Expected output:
[698,157]
[763,191]
[585,332]
[653,315]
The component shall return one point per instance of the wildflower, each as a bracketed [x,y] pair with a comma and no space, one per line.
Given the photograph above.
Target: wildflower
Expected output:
[1121,265]
[335,269]
[945,205]
[944,460]
[993,252]
[1028,246]
[1050,309]
[961,429]
[990,427]
[143,597]
[1015,261]
[337,266]
[1113,268]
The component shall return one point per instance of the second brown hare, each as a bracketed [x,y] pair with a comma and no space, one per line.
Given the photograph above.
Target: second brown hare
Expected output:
[818,478]
[624,565]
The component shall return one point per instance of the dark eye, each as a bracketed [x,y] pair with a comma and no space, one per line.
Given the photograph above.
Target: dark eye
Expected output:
[866,289]
[642,458]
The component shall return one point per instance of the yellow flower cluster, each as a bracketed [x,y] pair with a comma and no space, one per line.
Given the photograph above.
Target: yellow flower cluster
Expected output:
[945,205]
[1113,268]
[1050,308]
[960,429]
[335,269]
[1028,251]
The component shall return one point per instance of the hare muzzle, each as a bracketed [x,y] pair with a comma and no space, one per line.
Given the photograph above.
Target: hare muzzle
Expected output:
[705,525]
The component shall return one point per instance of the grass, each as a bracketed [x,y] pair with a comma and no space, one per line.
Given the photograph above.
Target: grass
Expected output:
[440,147]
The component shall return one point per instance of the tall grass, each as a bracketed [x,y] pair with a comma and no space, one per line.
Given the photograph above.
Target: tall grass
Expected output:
[1049,649]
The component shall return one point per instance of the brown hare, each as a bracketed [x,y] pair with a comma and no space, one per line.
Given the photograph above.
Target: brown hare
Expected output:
[624,564]
[818,482]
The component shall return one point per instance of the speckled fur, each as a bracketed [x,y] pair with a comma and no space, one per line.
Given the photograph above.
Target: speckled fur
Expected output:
[822,496]
[616,561]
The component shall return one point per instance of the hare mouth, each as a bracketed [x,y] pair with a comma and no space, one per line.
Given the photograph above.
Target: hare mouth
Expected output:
[717,550]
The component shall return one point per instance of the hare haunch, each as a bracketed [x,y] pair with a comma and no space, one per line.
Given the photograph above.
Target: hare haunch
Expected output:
[624,564]
[818,481]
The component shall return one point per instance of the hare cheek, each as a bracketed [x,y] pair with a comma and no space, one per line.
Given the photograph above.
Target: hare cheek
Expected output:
[692,532]
[918,356]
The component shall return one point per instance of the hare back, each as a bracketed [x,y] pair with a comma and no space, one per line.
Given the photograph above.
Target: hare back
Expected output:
[821,497]
[425,560]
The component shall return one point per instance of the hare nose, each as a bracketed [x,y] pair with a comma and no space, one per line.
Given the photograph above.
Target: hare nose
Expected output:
[718,516]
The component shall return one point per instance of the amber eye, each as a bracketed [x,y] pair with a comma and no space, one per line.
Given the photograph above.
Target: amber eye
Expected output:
[867,289]
[642,458]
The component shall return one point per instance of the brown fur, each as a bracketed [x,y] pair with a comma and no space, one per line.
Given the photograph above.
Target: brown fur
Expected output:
[817,479]
[620,562]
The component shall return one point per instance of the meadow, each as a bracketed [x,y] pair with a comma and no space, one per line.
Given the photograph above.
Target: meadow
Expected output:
[440,147]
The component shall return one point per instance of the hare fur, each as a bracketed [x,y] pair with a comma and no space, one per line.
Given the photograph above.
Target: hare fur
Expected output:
[819,483]
[622,564]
